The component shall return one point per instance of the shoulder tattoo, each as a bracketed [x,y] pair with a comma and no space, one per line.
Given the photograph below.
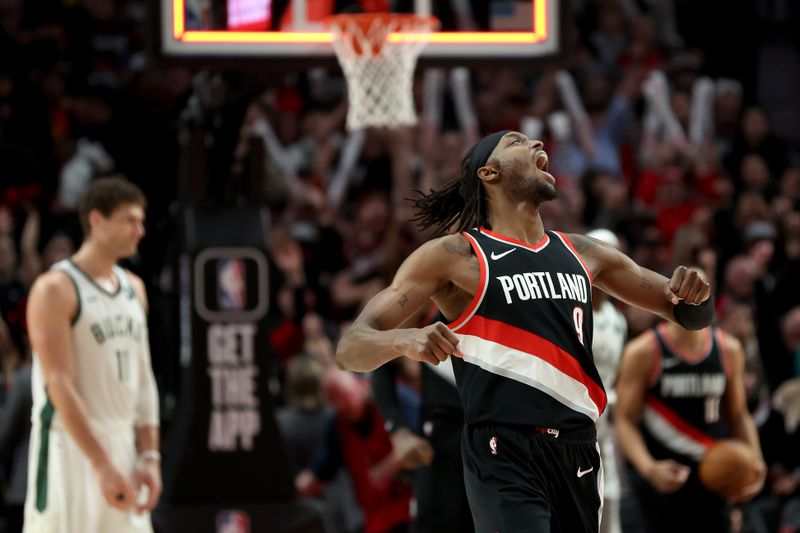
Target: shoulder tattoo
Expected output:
[582,243]
[457,247]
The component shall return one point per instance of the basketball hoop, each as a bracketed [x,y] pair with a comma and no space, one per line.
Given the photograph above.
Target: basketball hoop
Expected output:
[378,53]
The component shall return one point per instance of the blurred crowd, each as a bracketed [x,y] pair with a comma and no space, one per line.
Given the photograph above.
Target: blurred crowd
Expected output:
[653,131]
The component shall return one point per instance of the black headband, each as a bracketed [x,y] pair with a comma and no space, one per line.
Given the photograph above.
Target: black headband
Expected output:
[481,152]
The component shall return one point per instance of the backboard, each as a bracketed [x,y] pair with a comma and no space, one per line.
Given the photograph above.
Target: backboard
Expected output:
[296,29]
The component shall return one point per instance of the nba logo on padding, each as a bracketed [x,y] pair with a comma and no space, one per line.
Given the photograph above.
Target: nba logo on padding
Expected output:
[231,285]
[233,522]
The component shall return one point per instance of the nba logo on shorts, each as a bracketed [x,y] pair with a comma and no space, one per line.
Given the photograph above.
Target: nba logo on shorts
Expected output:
[233,522]
[231,285]
[493,445]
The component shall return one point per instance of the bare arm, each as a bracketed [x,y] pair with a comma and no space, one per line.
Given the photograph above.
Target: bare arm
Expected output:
[147,413]
[148,471]
[618,275]
[736,415]
[372,340]
[634,377]
[51,307]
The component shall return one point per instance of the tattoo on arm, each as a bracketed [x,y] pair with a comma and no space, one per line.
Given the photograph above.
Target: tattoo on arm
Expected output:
[460,247]
[582,243]
[645,283]
[403,300]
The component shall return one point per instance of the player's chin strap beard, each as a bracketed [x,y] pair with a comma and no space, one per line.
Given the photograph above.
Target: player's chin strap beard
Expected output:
[480,155]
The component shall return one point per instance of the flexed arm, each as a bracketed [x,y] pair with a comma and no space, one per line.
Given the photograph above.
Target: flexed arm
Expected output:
[684,299]
[372,340]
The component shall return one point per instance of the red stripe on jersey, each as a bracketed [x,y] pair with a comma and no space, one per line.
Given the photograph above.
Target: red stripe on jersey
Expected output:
[568,242]
[679,423]
[510,240]
[536,346]
[480,291]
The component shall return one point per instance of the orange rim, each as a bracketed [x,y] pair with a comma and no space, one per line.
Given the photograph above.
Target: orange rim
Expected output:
[402,22]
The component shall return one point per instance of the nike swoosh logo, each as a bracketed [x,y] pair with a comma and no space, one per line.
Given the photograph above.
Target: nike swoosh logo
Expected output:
[582,473]
[669,363]
[500,256]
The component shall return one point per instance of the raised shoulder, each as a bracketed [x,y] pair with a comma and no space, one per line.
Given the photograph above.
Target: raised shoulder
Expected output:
[644,343]
[441,259]
[455,244]
[731,343]
[732,353]
[596,254]
[582,243]
[138,286]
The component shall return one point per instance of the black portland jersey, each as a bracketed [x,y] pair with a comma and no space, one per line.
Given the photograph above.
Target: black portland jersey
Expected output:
[681,415]
[527,336]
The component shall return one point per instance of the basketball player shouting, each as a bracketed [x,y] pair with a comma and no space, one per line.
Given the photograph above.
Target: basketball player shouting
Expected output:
[519,301]
[94,440]
[677,392]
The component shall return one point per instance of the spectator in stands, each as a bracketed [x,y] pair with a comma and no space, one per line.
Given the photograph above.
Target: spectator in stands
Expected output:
[358,441]
[13,293]
[15,430]
[303,424]
[756,137]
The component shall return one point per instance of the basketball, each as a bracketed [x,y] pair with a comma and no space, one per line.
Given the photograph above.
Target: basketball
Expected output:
[728,467]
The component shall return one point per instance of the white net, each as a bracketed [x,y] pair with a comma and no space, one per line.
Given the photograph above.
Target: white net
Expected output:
[379,67]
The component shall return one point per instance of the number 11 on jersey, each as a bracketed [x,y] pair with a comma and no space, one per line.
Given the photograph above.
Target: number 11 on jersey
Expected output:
[122,365]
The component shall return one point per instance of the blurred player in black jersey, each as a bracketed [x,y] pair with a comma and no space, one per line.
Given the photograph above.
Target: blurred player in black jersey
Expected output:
[677,392]
[518,299]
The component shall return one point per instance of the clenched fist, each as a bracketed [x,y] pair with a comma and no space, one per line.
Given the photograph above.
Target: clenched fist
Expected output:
[687,285]
[431,344]
[667,476]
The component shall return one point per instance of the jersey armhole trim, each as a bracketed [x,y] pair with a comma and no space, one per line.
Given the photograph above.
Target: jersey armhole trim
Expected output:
[130,285]
[78,307]
[78,299]
[568,244]
[482,284]
[724,353]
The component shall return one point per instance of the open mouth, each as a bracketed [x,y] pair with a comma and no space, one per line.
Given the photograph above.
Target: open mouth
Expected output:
[542,161]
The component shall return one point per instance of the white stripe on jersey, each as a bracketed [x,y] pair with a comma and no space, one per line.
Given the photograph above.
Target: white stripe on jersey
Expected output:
[670,436]
[530,370]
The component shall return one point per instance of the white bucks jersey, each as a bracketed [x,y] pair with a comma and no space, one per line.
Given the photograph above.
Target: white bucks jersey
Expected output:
[610,333]
[110,345]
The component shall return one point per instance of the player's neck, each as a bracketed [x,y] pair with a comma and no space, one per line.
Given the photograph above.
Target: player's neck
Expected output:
[521,221]
[691,341]
[93,260]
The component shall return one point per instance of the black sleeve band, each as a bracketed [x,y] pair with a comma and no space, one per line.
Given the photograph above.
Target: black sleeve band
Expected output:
[694,316]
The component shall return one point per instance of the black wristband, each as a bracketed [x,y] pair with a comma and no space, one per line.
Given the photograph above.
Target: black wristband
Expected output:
[694,316]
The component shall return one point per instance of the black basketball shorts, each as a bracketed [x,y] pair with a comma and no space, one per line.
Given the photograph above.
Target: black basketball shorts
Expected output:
[532,480]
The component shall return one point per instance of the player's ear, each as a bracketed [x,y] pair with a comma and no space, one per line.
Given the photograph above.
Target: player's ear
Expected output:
[95,217]
[489,172]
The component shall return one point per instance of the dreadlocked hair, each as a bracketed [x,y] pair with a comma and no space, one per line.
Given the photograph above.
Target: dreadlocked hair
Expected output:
[456,206]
